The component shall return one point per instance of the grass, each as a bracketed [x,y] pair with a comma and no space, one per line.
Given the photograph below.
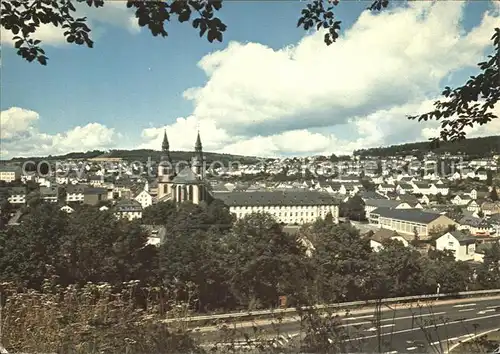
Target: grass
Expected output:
[92,319]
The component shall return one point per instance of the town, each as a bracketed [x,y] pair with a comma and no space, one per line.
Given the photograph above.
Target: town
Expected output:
[384,200]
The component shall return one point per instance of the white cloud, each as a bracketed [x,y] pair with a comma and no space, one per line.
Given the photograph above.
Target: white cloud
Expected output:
[316,98]
[20,136]
[313,98]
[112,13]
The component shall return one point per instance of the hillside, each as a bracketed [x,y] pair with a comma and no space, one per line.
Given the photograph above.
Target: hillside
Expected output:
[474,147]
[141,155]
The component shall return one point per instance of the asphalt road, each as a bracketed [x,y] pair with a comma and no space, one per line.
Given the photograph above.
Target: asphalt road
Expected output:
[430,327]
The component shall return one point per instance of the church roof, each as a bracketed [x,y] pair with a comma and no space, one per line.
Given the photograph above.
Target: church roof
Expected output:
[186,176]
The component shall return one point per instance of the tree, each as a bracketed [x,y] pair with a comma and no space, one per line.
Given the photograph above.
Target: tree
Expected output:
[489,271]
[30,251]
[460,107]
[396,271]
[494,194]
[354,208]
[197,258]
[341,260]
[264,263]
[159,213]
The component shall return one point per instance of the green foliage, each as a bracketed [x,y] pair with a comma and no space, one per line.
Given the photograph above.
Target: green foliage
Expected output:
[489,271]
[264,262]
[473,147]
[354,208]
[159,213]
[143,155]
[216,263]
[88,320]
[494,194]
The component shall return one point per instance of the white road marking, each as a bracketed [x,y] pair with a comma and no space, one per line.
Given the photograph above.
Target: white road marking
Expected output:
[465,305]
[464,310]
[485,311]
[393,352]
[493,307]
[357,318]
[373,329]
[429,326]
[394,319]
[411,348]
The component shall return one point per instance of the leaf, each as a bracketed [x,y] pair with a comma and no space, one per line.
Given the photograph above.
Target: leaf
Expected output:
[42,59]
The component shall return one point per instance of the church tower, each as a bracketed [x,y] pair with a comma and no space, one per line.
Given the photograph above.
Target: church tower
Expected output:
[166,170]
[198,159]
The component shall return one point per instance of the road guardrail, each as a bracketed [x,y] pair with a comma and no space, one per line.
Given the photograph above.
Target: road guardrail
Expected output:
[265,314]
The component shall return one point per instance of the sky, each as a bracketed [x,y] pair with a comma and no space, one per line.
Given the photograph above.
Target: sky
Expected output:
[269,89]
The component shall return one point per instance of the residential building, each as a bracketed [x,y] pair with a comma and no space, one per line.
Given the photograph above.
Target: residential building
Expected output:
[490,208]
[15,195]
[289,207]
[409,221]
[144,198]
[476,226]
[49,194]
[67,209]
[94,196]
[10,173]
[381,235]
[372,204]
[462,244]
[75,193]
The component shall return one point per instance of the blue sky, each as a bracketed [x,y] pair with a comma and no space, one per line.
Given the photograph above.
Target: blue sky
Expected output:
[132,84]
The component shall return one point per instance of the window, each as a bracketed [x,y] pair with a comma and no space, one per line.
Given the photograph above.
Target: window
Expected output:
[450,243]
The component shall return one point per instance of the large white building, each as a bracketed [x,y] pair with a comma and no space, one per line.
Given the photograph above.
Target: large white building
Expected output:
[289,207]
[9,173]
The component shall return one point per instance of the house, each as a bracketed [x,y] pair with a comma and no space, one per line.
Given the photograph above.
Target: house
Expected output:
[49,194]
[404,188]
[476,226]
[156,234]
[75,193]
[372,204]
[96,181]
[144,198]
[10,173]
[461,200]
[490,208]
[128,209]
[411,200]
[385,188]
[473,206]
[462,244]
[289,207]
[15,195]
[93,196]
[67,209]
[409,221]
[381,235]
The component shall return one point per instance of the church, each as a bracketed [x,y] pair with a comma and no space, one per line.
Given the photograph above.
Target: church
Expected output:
[189,183]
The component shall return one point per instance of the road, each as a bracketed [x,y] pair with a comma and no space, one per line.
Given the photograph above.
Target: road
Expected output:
[430,327]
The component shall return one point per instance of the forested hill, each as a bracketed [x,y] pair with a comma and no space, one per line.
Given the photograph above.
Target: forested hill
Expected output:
[474,147]
[142,155]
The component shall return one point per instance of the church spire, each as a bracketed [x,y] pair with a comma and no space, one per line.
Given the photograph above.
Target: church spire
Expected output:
[165,146]
[197,145]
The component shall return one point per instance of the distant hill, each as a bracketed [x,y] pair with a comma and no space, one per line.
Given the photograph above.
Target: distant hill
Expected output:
[141,155]
[474,147]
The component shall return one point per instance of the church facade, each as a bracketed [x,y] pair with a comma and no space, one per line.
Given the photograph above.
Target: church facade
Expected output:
[186,184]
